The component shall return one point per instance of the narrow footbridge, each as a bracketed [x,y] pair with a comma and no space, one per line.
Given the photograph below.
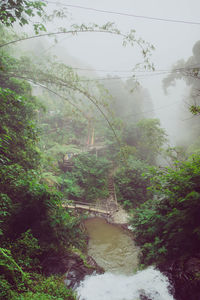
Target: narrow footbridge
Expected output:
[107,207]
[87,206]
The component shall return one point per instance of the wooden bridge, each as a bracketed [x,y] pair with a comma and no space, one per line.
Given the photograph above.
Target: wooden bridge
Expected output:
[107,207]
[88,206]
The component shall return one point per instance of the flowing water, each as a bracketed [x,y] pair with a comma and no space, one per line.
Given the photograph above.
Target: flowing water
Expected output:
[111,247]
[114,250]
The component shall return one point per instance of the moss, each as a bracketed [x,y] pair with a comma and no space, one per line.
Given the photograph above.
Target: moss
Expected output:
[82,256]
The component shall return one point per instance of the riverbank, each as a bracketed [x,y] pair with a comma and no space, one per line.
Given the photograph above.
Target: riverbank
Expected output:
[120,216]
[72,266]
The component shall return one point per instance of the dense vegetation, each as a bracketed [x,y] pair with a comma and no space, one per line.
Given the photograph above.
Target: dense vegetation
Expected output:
[32,222]
[168,225]
[33,225]
[36,134]
[88,179]
[131,185]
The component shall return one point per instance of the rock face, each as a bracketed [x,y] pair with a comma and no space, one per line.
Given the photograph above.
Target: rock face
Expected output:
[79,271]
[72,267]
[184,274]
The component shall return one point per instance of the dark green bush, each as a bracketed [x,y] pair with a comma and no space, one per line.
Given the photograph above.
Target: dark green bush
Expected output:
[131,185]
[169,225]
[88,179]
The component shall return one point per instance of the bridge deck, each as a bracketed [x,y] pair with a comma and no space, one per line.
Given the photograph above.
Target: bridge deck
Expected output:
[87,207]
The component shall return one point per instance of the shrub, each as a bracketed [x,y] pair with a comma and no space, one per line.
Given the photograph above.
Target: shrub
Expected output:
[131,185]
[169,224]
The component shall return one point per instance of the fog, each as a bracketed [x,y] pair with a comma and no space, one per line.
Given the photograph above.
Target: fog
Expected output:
[103,55]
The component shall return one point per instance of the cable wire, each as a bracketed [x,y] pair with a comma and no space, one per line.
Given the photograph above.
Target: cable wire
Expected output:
[125,14]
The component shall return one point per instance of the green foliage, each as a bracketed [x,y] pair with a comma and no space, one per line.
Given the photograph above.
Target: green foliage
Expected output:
[82,256]
[131,185]
[57,152]
[61,81]
[60,127]
[41,211]
[5,288]
[17,128]
[146,138]
[38,209]
[10,266]
[195,109]
[5,212]
[33,285]
[21,11]
[65,231]
[33,222]
[70,187]
[18,277]
[46,289]
[151,138]
[168,225]
[26,251]
[174,154]
[90,177]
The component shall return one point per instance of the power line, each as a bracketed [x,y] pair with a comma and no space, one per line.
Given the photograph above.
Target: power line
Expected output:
[174,70]
[142,76]
[116,71]
[134,72]
[123,77]
[126,14]
[138,71]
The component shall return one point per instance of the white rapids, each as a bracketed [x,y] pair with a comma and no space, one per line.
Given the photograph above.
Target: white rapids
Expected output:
[147,284]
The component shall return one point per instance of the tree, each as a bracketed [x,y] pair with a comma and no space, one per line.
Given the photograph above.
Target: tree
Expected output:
[18,130]
[189,71]
[129,99]
[32,217]
[147,137]
[32,213]
[21,11]
[131,185]
[88,181]
[168,226]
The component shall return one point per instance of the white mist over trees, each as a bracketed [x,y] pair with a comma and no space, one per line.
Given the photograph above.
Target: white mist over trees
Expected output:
[188,71]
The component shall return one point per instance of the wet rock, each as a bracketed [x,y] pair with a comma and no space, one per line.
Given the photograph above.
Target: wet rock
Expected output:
[72,267]
[143,295]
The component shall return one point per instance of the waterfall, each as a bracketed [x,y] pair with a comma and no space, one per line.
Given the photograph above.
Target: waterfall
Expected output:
[149,284]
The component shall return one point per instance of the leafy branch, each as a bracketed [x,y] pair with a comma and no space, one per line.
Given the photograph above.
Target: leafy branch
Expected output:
[108,28]
[21,11]
[75,89]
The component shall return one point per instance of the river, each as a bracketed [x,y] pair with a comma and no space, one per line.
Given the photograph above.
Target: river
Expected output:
[115,251]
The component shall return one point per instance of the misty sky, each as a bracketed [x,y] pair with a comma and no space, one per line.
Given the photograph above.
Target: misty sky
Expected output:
[173,41]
